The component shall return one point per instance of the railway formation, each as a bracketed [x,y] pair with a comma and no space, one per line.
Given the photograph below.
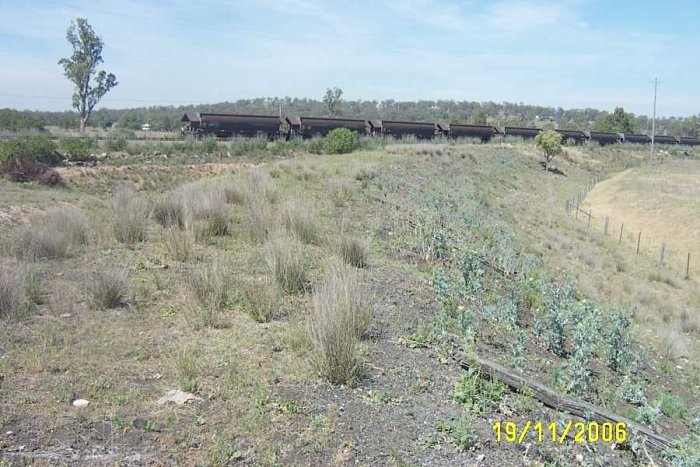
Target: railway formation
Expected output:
[200,124]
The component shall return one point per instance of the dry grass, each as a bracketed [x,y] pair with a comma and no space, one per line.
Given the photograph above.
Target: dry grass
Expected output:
[340,191]
[109,288]
[341,314]
[287,262]
[299,218]
[367,171]
[209,290]
[170,210]
[130,213]
[13,293]
[262,299]
[351,250]
[51,235]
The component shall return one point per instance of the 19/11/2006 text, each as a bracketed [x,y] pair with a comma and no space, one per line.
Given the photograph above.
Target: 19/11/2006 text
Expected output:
[582,432]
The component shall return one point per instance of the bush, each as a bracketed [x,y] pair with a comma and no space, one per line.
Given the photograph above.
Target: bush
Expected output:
[286,260]
[341,314]
[78,147]
[26,169]
[210,144]
[38,147]
[340,141]
[13,294]
[300,220]
[50,235]
[351,250]
[130,217]
[109,288]
[119,140]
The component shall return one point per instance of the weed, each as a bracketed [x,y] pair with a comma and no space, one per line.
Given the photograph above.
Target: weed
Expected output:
[674,407]
[475,393]
[210,292]
[461,431]
[130,214]
[584,339]
[222,453]
[618,339]
[299,218]
[686,452]
[286,260]
[517,345]
[351,250]
[261,299]
[341,314]
[551,324]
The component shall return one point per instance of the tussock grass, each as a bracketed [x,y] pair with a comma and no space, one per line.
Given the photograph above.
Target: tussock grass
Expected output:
[130,213]
[257,223]
[170,210]
[187,368]
[209,290]
[351,250]
[178,243]
[51,235]
[261,299]
[341,314]
[261,185]
[299,218]
[367,171]
[340,191]
[109,288]
[287,262]
[13,293]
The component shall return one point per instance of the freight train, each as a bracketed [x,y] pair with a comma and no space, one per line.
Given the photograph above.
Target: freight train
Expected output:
[200,124]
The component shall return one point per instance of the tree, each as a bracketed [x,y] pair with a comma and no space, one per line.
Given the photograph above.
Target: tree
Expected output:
[480,116]
[549,142]
[81,68]
[333,101]
[617,122]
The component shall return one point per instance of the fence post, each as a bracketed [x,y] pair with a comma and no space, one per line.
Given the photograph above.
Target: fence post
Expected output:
[622,227]
[687,268]
[639,238]
[577,210]
[607,221]
[589,217]
[663,253]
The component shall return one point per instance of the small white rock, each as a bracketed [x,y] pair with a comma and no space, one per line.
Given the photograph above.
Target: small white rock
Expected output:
[81,403]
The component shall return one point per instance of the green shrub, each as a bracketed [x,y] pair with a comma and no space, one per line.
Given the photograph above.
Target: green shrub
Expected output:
[39,147]
[210,144]
[340,141]
[119,140]
[618,339]
[686,452]
[78,147]
[462,432]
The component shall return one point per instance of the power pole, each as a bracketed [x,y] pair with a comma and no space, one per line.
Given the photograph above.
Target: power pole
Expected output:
[653,121]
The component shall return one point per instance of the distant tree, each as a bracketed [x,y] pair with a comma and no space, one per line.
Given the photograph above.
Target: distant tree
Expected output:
[81,68]
[454,117]
[617,122]
[480,116]
[549,142]
[333,101]
[14,120]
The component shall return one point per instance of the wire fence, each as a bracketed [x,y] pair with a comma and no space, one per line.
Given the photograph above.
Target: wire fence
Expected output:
[641,243]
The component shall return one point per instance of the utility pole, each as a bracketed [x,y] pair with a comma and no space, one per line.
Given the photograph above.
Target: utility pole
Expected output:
[653,121]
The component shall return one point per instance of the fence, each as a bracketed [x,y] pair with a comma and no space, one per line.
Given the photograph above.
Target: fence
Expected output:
[573,208]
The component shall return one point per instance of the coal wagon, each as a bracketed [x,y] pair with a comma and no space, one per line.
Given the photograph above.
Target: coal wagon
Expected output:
[321,126]
[688,141]
[521,132]
[458,130]
[572,136]
[603,138]
[658,139]
[233,125]
[635,138]
[399,128]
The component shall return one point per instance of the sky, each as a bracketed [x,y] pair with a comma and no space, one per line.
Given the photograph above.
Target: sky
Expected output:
[567,53]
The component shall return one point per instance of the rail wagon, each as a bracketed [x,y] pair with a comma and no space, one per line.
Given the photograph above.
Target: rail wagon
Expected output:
[232,125]
[374,127]
[521,132]
[321,126]
[604,138]
[635,138]
[398,128]
[574,136]
[458,130]
[658,139]
[688,141]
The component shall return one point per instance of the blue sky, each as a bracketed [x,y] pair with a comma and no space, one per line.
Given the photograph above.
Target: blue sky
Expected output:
[569,53]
